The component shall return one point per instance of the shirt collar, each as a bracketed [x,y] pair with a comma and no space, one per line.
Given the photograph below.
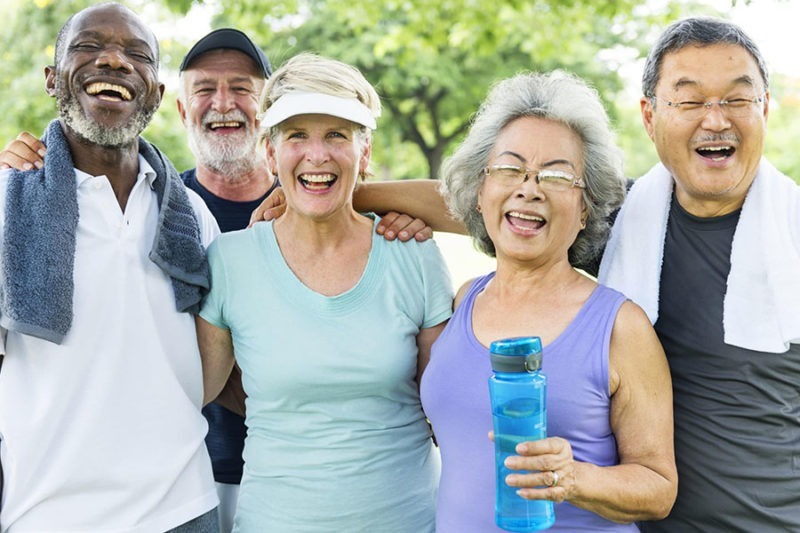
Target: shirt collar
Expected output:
[145,172]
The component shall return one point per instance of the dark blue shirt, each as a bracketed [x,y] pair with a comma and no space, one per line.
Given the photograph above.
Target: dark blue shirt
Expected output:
[226,430]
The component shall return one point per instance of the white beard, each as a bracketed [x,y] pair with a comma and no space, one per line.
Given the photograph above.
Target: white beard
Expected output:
[232,154]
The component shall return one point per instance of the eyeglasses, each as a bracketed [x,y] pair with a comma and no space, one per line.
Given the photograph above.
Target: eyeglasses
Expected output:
[694,110]
[549,180]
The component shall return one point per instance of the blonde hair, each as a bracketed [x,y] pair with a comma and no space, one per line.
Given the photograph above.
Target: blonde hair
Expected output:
[312,73]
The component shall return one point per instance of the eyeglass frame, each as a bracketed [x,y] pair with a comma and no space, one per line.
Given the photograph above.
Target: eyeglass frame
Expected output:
[574,181]
[723,104]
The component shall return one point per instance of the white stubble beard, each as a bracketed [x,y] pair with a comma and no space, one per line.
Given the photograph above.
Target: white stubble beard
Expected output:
[75,117]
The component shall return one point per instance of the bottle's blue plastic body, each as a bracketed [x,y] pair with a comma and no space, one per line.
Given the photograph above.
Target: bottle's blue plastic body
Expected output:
[519,413]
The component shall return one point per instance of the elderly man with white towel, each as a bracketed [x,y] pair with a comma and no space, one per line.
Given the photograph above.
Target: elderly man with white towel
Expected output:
[708,244]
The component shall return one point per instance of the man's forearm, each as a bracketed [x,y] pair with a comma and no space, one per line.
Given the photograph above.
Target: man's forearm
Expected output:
[417,198]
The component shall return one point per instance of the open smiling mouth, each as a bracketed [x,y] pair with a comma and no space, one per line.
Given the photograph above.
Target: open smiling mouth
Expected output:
[525,221]
[109,91]
[716,153]
[224,126]
[317,182]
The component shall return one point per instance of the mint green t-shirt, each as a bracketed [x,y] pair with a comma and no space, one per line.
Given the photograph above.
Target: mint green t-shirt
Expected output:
[336,440]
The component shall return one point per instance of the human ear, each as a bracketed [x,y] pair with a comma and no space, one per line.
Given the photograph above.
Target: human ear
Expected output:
[646,105]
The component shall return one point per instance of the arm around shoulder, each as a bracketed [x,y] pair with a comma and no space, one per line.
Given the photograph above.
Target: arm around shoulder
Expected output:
[418,198]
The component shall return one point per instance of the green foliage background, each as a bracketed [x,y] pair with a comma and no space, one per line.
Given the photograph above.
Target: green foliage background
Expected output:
[431,60]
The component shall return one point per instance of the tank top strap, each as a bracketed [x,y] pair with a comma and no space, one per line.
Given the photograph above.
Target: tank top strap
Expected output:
[595,321]
[461,320]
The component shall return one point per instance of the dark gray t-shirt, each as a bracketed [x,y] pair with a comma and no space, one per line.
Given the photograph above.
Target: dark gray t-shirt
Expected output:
[737,411]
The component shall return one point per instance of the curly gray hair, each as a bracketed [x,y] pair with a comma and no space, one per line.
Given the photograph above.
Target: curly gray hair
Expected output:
[556,96]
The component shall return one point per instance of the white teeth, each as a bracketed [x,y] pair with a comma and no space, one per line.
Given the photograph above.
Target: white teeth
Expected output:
[715,153]
[215,125]
[318,178]
[523,216]
[97,88]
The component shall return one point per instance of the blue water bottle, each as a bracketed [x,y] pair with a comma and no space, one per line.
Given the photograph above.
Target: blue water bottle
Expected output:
[517,391]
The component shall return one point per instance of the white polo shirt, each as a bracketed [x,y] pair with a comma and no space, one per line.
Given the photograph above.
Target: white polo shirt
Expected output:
[103,433]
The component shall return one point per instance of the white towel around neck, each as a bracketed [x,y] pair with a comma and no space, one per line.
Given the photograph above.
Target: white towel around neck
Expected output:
[762,302]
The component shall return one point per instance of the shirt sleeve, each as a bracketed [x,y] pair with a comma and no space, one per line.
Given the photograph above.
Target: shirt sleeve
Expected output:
[437,285]
[212,310]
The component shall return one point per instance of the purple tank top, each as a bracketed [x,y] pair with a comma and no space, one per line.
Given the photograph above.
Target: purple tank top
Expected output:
[455,397]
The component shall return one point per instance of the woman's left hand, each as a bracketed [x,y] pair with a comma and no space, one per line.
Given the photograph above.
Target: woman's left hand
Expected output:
[551,467]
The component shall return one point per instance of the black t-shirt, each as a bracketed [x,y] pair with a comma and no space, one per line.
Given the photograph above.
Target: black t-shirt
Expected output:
[226,430]
[230,215]
[737,411]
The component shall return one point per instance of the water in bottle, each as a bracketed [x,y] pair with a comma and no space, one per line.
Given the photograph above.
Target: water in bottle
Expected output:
[517,389]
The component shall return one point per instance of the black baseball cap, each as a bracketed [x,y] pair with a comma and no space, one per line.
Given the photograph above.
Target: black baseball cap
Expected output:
[228,38]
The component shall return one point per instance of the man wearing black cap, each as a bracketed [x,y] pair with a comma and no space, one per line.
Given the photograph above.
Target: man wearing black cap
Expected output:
[221,80]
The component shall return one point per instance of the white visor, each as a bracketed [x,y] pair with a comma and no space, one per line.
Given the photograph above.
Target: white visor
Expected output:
[299,103]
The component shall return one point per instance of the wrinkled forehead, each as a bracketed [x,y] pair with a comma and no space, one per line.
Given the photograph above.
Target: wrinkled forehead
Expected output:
[112,23]
[534,139]
[710,68]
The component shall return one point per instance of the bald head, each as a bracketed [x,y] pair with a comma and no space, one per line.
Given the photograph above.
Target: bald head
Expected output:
[105,9]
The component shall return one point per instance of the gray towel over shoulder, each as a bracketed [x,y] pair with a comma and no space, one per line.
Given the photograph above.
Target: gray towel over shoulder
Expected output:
[38,248]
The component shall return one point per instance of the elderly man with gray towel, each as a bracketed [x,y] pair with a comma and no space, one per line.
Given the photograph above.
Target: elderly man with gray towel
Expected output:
[101,263]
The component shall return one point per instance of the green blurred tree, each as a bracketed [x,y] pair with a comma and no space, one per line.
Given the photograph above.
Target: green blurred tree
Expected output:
[26,41]
[783,125]
[432,63]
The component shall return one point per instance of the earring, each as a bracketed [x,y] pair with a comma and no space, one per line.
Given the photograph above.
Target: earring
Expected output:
[583,223]
[478,208]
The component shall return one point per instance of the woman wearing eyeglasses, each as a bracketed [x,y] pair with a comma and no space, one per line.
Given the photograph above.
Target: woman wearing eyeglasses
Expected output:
[534,183]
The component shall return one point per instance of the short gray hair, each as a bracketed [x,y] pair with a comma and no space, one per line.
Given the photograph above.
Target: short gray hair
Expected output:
[556,96]
[697,31]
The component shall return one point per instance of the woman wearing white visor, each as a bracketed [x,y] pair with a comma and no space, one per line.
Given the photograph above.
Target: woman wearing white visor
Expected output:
[330,324]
